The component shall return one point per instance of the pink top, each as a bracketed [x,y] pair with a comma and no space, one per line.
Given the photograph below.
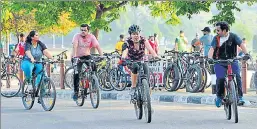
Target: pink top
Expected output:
[85,44]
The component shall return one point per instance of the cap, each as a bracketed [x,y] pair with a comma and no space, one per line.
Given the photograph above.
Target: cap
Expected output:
[207,29]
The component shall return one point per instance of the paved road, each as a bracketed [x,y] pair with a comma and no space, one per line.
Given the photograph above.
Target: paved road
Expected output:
[120,115]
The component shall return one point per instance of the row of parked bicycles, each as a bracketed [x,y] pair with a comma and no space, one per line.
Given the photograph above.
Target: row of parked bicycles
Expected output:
[183,70]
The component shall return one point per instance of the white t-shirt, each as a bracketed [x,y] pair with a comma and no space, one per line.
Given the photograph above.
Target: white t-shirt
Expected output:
[223,39]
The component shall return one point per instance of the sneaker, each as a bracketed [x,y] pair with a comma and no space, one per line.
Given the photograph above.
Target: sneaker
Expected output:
[132,91]
[30,88]
[38,101]
[75,96]
[152,110]
[218,102]
[241,101]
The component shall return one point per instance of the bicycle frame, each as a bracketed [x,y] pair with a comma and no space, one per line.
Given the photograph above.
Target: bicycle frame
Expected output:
[34,76]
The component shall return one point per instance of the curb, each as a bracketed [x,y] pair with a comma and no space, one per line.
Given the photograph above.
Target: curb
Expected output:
[176,97]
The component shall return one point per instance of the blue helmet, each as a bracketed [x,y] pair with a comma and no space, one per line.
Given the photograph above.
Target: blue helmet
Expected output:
[134,28]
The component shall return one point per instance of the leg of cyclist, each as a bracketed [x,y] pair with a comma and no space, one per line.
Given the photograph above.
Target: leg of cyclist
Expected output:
[236,70]
[38,68]
[76,81]
[220,75]
[27,67]
[134,74]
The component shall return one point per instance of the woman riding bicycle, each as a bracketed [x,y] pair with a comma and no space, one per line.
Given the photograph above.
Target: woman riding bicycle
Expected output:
[134,49]
[34,50]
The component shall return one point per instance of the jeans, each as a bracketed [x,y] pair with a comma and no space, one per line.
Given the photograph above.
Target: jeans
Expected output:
[221,71]
[28,68]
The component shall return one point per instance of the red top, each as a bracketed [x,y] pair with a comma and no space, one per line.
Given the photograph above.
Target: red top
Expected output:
[21,47]
[153,44]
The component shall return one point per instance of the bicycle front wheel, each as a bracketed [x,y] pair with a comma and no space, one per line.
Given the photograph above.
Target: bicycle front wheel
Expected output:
[138,104]
[147,101]
[234,100]
[11,85]
[47,94]
[94,92]
[28,96]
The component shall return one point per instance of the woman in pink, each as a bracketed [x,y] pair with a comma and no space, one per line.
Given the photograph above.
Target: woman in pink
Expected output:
[153,44]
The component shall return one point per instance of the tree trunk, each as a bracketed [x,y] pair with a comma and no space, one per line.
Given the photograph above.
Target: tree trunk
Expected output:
[16,26]
[99,14]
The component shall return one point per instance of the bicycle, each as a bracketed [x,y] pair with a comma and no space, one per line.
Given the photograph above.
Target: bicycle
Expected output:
[253,82]
[46,88]
[111,76]
[231,92]
[141,96]
[88,81]
[189,73]
[11,84]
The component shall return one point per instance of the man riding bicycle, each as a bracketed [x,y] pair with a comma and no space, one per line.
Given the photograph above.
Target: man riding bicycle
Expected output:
[82,43]
[134,49]
[224,46]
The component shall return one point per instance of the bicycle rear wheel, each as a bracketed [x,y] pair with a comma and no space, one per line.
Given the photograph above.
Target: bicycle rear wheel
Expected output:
[94,92]
[68,77]
[234,100]
[47,94]
[81,94]
[104,81]
[203,79]
[194,77]
[118,79]
[28,95]
[11,85]
[151,79]
[171,78]
[147,101]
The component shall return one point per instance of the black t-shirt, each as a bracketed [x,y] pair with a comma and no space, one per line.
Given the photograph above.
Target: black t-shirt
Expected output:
[228,49]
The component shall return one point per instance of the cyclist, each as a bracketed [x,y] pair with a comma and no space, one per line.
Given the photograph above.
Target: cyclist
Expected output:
[19,49]
[34,50]
[224,46]
[118,46]
[206,40]
[152,43]
[181,42]
[134,49]
[82,43]
[196,44]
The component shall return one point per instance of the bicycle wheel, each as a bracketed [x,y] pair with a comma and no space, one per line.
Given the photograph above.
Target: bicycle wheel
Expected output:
[11,85]
[227,108]
[204,79]
[47,94]
[147,101]
[234,100]
[94,92]
[104,83]
[28,95]
[171,78]
[138,104]
[68,77]
[81,95]
[151,79]
[118,79]
[194,77]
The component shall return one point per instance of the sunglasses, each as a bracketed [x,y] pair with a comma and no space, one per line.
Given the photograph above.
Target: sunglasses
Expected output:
[84,30]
